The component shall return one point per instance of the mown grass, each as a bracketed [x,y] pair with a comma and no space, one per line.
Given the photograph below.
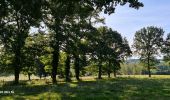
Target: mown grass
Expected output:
[121,88]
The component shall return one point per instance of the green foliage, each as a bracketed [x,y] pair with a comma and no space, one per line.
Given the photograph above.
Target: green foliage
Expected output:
[60,69]
[147,43]
[18,17]
[166,48]
[46,60]
[131,69]
[6,63]
[91,70]
[110,48]
[36,46]
[69,23]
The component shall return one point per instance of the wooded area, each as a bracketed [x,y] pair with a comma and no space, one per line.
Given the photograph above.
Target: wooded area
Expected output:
[68,43]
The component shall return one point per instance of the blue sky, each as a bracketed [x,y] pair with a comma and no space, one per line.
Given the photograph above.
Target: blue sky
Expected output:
[128,20]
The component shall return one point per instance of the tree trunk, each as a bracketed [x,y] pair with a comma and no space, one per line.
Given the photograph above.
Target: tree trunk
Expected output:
[17,63]
[149,72]
[108,74]
[77,67]
[29,76]
[100,71]
[108,69]
[114,72]
[67,68]
[55,62]
[17,74]
[56,52]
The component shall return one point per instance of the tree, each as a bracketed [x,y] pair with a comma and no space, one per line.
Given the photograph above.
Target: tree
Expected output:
[57,11]
[113,41]
[99,48]
[54,17]
[107,48]
[147,43]
[109,6]
[127,50]
[81,27]
[166,49]
[117,49]
[122,52]
[20,16]
[17,16]
[36,47]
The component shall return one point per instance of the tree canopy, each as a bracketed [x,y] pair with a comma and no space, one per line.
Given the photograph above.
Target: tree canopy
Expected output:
[147,43]
[71,24]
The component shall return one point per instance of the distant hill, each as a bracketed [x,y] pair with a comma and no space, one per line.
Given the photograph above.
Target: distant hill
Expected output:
[133,61]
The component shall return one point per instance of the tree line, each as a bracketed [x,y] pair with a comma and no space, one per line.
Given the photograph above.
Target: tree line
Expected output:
[72,39]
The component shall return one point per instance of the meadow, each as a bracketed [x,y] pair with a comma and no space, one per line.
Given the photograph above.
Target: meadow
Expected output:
[134,87]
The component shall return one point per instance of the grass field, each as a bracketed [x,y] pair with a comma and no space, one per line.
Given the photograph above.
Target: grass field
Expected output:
[121,88]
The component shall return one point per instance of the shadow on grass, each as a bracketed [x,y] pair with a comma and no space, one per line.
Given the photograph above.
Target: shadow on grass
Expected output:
[105,89]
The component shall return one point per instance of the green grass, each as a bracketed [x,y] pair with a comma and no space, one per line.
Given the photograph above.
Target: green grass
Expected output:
[122,88]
